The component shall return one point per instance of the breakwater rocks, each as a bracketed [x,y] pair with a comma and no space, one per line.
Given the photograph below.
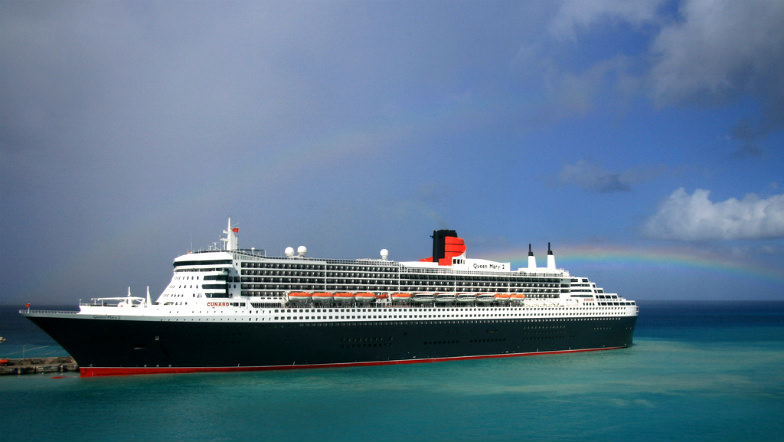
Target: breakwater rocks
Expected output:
[59,364]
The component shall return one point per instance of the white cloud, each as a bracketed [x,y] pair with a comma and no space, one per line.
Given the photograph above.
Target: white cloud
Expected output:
[574,14]
[707,52]
[714,51]
[720,52]
[721,49]
[696,218]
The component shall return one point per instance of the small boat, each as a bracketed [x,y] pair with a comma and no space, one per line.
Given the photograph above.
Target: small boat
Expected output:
[517,298]
[466,297]
[299,296]
[343,297]
[445,298]
[502,298]
[401,298]
[485,298]
[422,297]
[365,297]
[2,339]
[322,297]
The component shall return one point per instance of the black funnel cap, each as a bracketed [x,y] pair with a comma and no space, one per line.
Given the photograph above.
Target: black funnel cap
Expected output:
[439,243]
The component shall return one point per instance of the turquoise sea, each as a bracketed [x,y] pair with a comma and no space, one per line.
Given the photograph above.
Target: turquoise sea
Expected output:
[699,371]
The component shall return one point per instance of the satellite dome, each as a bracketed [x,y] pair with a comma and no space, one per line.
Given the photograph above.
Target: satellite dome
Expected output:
[384,254]
[289,251]
[302,250]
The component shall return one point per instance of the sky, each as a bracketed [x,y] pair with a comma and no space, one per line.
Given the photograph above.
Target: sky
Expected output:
[644,140]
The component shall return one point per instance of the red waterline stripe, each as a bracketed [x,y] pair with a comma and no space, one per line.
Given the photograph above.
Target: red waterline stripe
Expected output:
[127,371]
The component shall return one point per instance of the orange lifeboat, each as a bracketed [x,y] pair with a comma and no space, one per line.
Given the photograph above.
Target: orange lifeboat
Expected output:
[365,297]
[502,298]
[299,296]
[322,297]
[343,297]
[517,297]
[401,298]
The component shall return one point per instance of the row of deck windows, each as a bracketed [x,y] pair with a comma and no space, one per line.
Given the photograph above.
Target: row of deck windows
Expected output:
[277,294]
[391,288]
[336,271]
[280,276]
[371,280]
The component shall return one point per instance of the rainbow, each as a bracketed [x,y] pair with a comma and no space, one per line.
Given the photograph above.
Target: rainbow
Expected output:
[575,256]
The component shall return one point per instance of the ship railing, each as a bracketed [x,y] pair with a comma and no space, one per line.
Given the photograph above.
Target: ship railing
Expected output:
[331,261]
[256,253]
[49,312]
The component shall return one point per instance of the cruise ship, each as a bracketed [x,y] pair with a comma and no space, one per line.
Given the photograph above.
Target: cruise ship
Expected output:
[233,309]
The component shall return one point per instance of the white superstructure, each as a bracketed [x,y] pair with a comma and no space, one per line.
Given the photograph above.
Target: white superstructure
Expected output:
[235,284]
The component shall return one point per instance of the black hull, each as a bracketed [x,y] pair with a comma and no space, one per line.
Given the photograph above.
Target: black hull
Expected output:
[114,346]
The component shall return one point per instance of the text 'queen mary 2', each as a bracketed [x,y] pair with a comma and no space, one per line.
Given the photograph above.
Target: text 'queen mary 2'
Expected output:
[239,309]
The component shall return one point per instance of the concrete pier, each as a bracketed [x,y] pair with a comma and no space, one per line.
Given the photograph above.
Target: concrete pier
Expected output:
[60,364]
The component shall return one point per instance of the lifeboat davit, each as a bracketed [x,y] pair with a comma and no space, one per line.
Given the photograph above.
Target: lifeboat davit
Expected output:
[343,297]
[365,297]
[322,297]
[299,296]
[401,298]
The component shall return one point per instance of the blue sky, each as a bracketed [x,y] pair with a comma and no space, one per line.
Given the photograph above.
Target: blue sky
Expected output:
[643,139]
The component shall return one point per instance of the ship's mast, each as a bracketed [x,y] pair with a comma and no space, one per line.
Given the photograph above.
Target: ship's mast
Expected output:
[230,241]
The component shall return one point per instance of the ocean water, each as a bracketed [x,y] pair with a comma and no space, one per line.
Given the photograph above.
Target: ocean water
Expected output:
[699,371]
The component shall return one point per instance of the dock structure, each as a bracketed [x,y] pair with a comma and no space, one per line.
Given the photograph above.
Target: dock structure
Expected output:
[59,364]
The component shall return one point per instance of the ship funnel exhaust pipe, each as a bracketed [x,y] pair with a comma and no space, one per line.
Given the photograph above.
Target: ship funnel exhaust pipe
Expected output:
[531,259]
[439,243]
[550,258]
